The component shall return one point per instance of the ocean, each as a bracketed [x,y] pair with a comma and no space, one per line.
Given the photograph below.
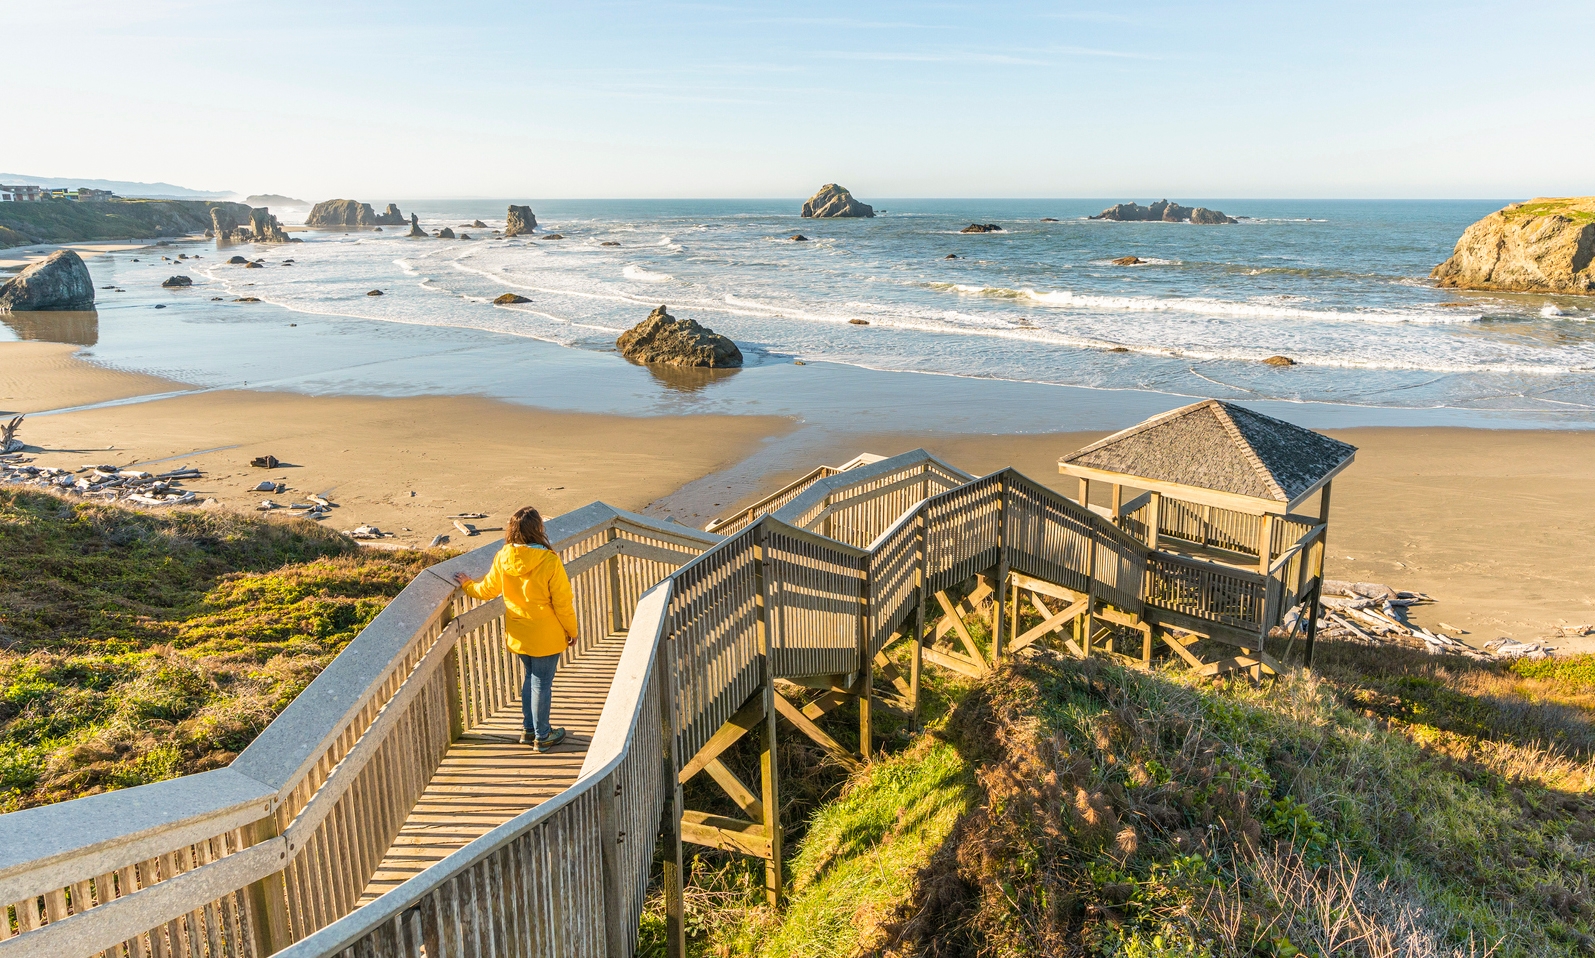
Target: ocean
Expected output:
[1339,287]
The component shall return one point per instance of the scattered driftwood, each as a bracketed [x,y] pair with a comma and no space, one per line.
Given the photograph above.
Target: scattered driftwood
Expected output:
[465,527]
[368,532]
[469,515]
[8,435]
[1376,614]
[439,540]
[106,483]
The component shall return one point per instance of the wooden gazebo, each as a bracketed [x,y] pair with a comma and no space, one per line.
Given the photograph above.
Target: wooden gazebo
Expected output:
[1233,506]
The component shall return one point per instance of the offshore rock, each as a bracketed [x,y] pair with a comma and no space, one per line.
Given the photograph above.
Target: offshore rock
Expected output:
[1546,245]
[415,227]
[835,201]
[478,225]
[982,228]
[445,233]
[509,299]
[177,282]
[390,217]
[1129,261]
[237,261]
[1161,212]
[224,223]
[519,219]
[59,281]
[665,340]
[1202,216]
[264,228]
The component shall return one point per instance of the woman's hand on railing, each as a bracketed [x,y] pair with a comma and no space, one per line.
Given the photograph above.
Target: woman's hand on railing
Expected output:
[463,579]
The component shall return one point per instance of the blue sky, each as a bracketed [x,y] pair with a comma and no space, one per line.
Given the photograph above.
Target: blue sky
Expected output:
[594,99]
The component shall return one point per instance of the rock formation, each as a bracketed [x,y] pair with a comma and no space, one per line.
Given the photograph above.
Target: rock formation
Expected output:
[59,281]
[520,219]
[1162,211]
[224,224]
[1202,216]
[982,228]
[351,214]
[835,201]
[509,299]
[1279,361]
[237,261]
[264,228]
[1546,245]
[1128,261]
[799,238]
[1049,219]
[415,227]
[663,339]
[445,233]
[478,225]
[177,282]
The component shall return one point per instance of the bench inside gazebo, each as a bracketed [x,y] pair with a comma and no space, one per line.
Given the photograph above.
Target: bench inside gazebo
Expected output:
[1234,508]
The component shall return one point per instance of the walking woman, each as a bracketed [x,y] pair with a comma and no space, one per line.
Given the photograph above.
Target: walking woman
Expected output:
[539,616]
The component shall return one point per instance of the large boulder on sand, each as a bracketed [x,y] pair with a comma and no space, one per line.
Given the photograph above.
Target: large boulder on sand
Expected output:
[59,281]
[520,219]
[665,340]
[1546,245]
[835,201]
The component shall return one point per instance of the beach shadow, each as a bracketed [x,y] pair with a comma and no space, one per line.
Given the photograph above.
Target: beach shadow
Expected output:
[689,379]
[77,328]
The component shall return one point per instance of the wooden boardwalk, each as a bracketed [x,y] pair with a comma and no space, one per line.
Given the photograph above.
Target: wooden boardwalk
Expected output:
[488,777]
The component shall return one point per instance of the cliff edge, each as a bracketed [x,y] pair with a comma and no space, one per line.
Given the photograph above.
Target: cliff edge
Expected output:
[1543,246]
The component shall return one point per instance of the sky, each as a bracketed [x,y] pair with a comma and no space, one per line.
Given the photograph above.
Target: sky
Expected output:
[607,99]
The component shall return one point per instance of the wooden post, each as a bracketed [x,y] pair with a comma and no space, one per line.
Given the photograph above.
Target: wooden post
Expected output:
[768,770]
[917,661]
[268,899]
[1000,599]
[1154,519]
[1118,502]
[456,692]
[617,609]
[610,837]
[1088,620]
[864,686]
[674,873]
[1323,553]
[1265,544]
[1085,492]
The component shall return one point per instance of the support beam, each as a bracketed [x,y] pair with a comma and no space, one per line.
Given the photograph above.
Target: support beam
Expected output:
[968,640]
[1184,653]
[747,718]
[738,792]
[769,769]
[1052,622]
[791,713]
[726,833]
[1079,609]
[952,661]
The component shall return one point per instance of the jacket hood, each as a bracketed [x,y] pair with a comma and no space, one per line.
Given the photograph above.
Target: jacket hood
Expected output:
[522,560]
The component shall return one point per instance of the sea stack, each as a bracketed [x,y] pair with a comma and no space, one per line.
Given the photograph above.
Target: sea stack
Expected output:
[264,228]
[390,217]
[415,227]
[59,281]
[1546,245]
[662,339]
[351,214]
[519,219]
[1163,212]
[834,201]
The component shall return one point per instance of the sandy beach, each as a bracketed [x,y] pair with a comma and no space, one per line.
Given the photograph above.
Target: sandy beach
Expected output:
[401,464]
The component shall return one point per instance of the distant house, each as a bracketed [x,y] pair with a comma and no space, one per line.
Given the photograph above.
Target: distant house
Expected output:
[21,194]
[86,194]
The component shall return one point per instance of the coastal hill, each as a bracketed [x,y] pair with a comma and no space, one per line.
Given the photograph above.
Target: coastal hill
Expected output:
[69,221]
[273,199]
[1546,245]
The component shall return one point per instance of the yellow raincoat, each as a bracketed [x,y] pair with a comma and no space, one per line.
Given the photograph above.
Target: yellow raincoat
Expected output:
[539,614]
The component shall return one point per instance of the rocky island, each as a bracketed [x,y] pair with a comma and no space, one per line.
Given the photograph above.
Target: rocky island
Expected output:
[59,281]
[834,201]
[662,339]
[1163,212]
[352,214]
[520,220]
[1546,245]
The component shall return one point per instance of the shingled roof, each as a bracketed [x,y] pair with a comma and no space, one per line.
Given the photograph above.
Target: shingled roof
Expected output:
[1218,445]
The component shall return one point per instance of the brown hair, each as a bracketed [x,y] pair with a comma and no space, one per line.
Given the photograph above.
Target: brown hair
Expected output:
[525,528]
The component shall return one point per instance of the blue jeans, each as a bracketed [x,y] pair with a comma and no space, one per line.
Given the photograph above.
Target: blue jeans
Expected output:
[537,692]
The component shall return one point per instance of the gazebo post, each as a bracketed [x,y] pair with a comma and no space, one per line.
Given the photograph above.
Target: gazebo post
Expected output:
[1085,492]
[1318,590]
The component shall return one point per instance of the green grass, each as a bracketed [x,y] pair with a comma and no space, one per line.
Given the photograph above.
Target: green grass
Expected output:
[139,646]
[1577,209]
[68,221]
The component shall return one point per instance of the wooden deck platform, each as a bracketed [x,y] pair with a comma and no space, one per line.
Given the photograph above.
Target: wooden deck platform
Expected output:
[488,777]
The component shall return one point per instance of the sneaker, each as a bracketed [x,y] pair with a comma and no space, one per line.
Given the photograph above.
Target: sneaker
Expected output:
[554,738]
[527,738]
